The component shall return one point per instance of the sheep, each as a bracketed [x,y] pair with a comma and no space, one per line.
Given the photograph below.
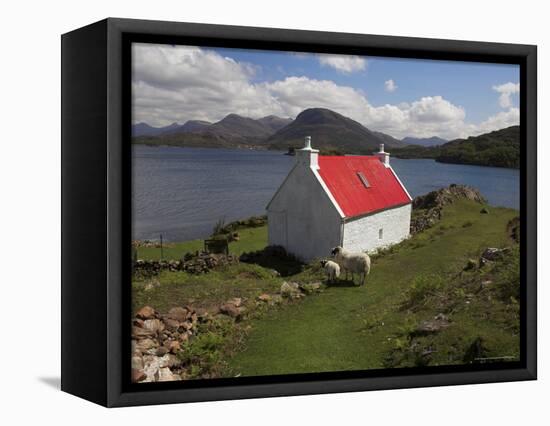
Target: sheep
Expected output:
[352,262]
[331,268]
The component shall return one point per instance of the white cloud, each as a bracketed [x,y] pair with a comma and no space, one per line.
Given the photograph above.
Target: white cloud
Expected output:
[506,91]
[176,84]
[390,86]
[343,63]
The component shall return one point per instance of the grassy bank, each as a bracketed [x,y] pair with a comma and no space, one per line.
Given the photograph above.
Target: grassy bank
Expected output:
[250,239]
[433,274]
[349,327]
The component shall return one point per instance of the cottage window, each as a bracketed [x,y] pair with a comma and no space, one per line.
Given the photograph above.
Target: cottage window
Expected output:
[380,233]
[363,179]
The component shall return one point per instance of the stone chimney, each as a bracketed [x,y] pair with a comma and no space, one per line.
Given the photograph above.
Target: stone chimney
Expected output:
[384,157]
[308,156]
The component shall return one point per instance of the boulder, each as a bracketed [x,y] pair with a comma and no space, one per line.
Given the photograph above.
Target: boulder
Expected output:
[290,290]
[493,254]
[151,368]
[169,360]
[146,313]
[154,325]
[165,375]
[231,310]
[171,324]
[310,287]
[438,323]
[145,345]
[138,375]
[264,297]
[161,350]
[137,363]
[141,333]
[174,346]
[178,314]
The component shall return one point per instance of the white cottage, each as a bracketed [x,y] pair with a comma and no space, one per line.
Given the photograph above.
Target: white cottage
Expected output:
[356,202]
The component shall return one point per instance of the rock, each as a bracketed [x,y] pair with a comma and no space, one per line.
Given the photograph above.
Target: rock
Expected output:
[290,290]
[145,345]
[146,313]
[310,287]
[137,363]
[151,368]
[138,375]
[161,350]
[484,210]
[174,346]
[438,323]
[231,310]
[493,254]
[171,324]
[237,301]
[169,360]
[137,322]
[141,333]
[264,297]
[154,325]
[178,314]
[165,375]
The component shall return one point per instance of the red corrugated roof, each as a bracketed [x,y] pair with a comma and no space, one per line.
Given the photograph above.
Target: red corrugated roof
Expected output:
[340,174]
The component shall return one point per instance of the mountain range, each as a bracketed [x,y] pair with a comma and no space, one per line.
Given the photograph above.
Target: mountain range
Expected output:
[331,133]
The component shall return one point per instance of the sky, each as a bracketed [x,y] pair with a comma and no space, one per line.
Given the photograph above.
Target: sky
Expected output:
[400,97]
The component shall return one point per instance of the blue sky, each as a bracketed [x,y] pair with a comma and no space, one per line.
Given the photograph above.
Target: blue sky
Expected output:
[401,97]
[463,83]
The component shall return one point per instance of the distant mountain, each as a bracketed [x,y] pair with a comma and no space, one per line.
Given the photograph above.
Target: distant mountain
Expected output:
[497,149]
[274,123]
[143,129]
[330,132]
[236,126]
[388,140]
[189,127]
[433,141]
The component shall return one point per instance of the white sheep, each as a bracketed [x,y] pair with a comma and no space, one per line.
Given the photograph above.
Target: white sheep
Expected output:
[332,269]
[352,262]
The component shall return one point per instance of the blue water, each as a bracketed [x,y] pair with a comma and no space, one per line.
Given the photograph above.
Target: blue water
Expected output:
[182,192]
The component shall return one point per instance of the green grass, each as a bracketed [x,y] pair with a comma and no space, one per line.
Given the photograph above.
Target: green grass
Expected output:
[349,328]
[250,239]
[205,290]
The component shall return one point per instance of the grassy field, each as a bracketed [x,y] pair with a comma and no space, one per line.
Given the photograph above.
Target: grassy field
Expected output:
[375,326]
[347,327]
[250,239]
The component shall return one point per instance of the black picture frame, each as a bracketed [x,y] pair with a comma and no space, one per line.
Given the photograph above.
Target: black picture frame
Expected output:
[96,209]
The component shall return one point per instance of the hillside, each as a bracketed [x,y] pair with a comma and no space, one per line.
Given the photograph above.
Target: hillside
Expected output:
[499,149]
[144,129]
[274,123]
[496,149]
[330,132]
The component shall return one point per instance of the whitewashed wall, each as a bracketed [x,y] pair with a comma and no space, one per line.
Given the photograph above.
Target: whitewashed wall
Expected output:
[362,234]
[302,218]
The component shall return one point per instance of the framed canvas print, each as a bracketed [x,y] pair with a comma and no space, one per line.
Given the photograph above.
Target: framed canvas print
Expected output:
[253,212]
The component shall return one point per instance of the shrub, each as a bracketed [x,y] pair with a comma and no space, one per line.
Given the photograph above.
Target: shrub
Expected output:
[421,289]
